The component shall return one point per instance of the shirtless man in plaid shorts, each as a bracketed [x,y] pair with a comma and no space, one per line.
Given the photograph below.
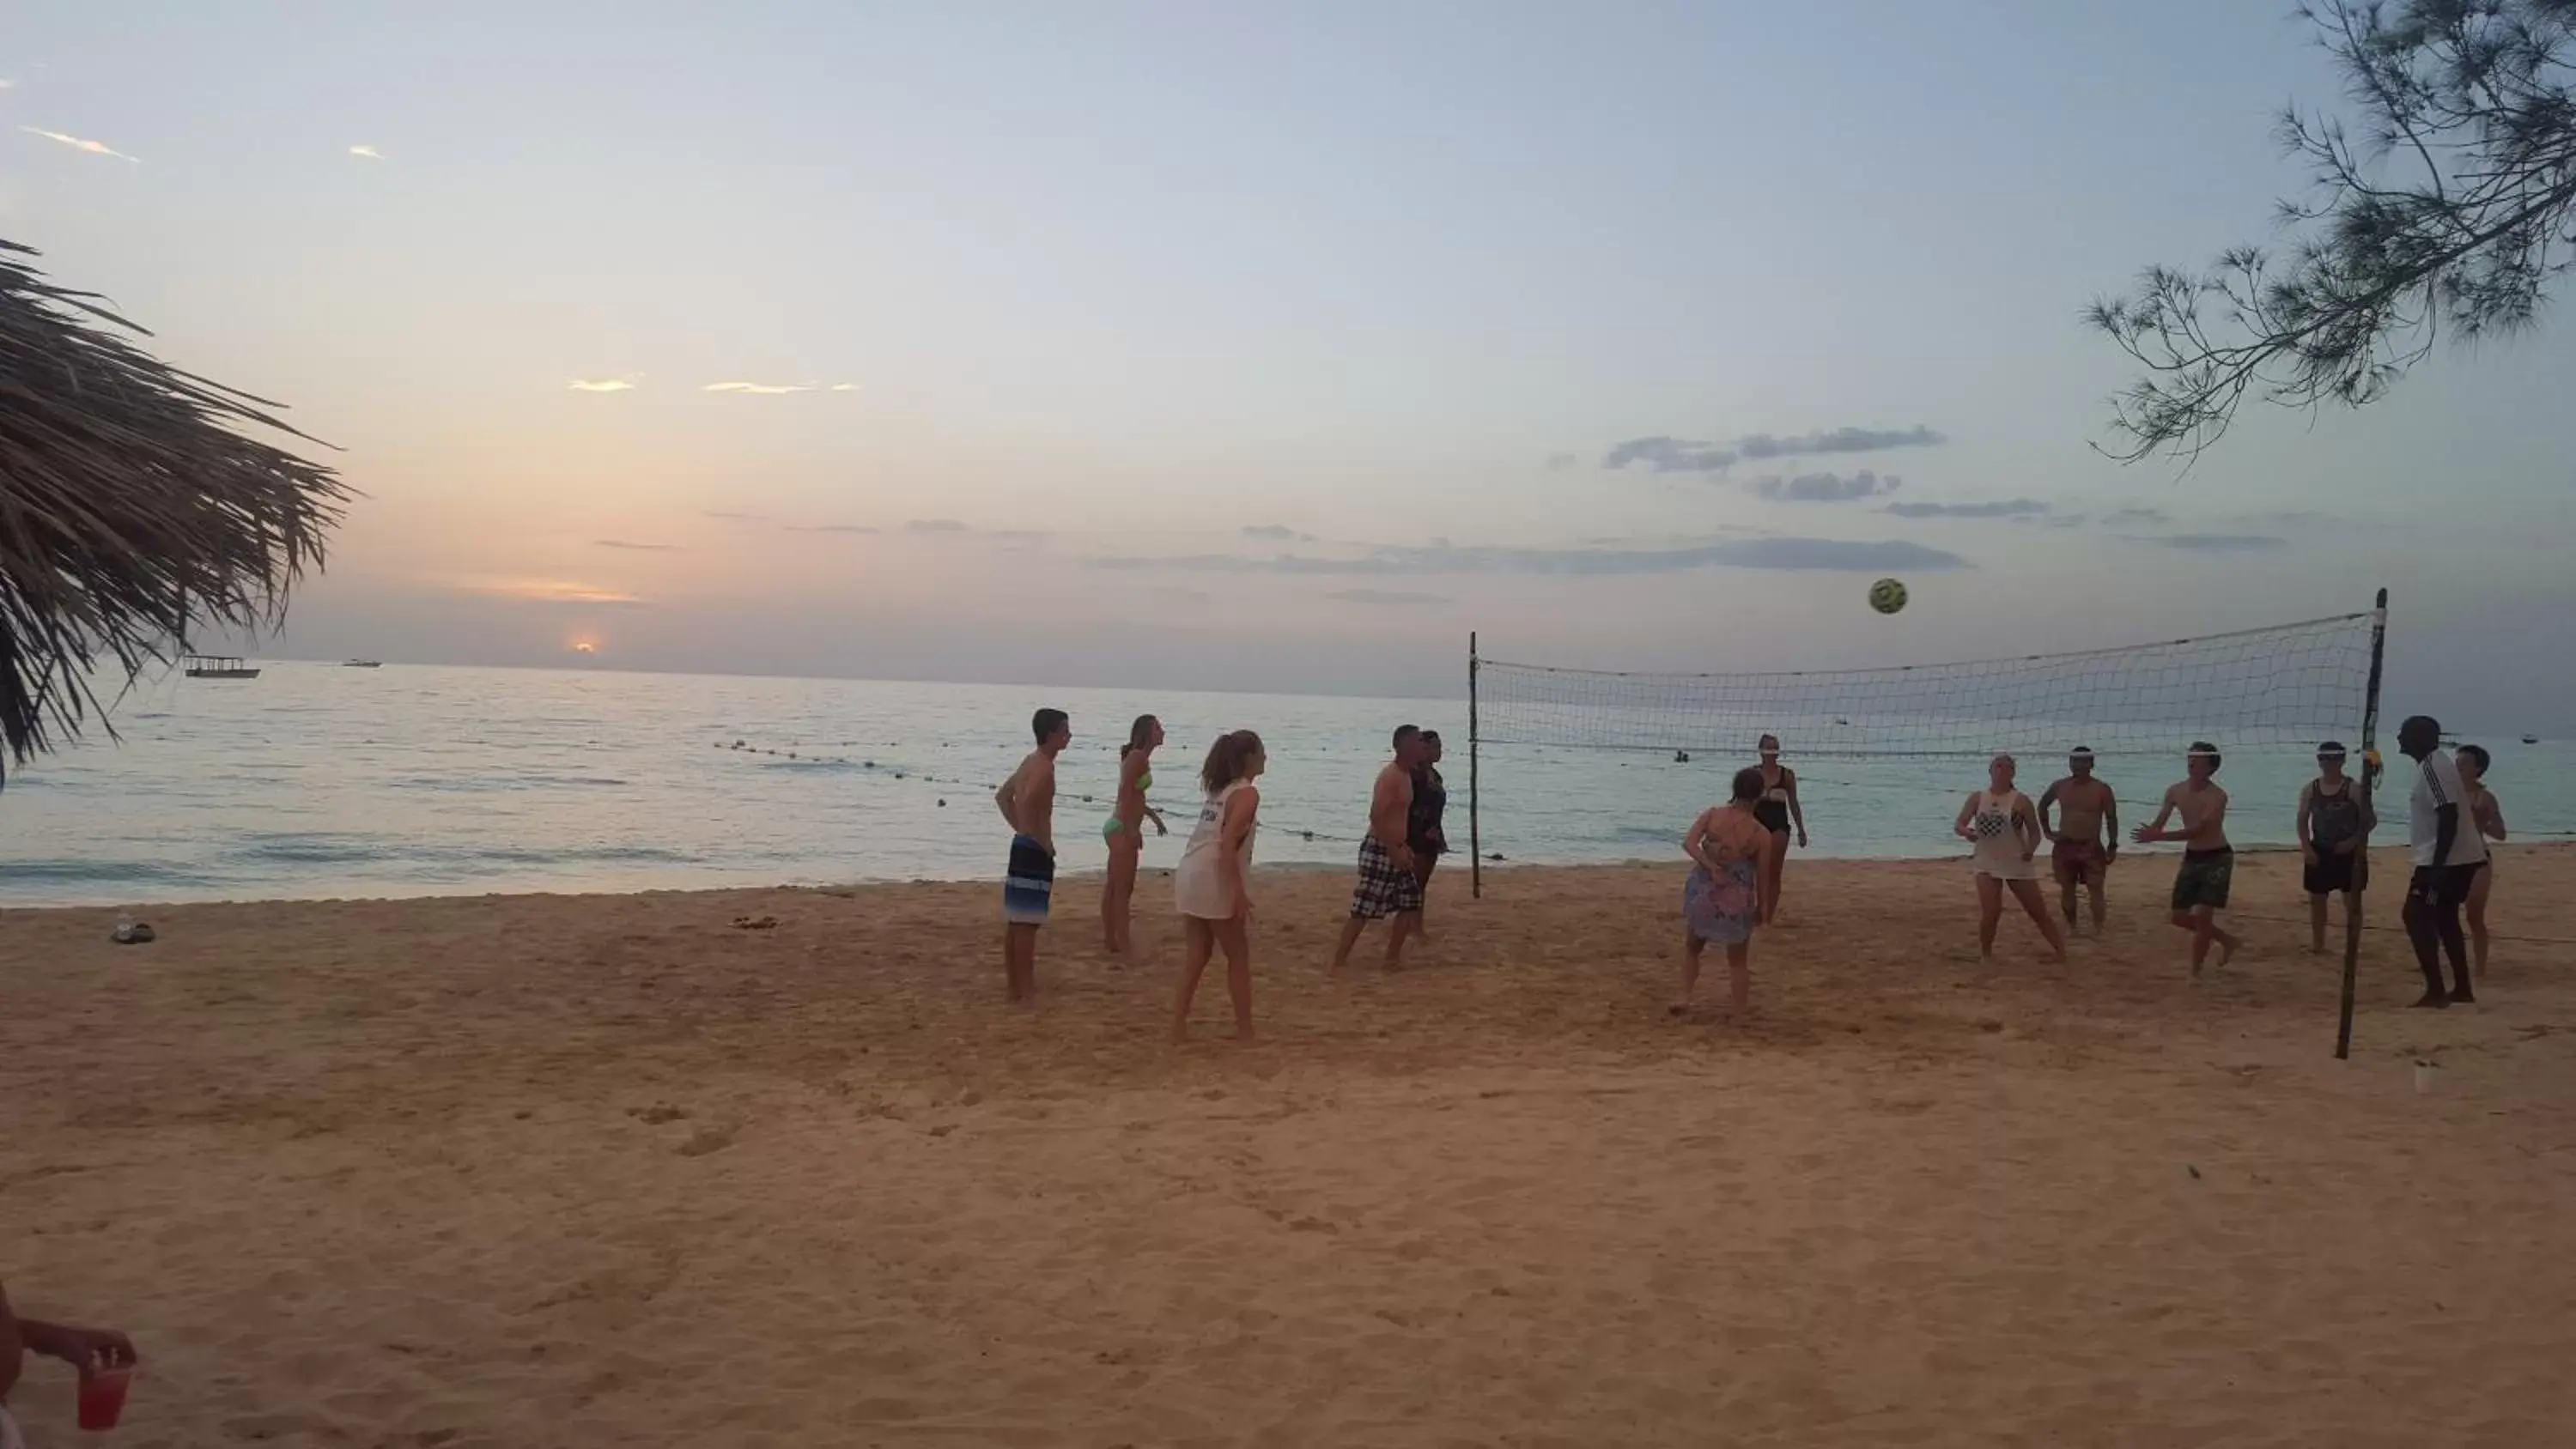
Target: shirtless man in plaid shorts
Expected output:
[1388,885]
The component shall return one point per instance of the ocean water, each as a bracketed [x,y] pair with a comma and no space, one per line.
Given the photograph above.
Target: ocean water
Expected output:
[319,781]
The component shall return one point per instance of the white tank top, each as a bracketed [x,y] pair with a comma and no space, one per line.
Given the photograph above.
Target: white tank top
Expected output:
[1201,890]
[1997,848]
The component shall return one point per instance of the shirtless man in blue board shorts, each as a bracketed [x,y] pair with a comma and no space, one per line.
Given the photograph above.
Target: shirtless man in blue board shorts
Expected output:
[1027,801]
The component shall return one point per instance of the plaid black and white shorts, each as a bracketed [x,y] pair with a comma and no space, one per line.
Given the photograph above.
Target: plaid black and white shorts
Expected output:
[1384,889]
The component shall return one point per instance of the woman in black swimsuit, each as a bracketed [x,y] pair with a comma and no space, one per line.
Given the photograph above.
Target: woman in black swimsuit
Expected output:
[1422,826]
[1777,812]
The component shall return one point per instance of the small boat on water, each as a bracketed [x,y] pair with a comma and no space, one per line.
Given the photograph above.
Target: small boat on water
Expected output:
[362,664]
[219,666]
[2531,739]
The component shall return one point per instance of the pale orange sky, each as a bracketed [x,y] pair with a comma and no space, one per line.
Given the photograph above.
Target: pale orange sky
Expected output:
[1395,289]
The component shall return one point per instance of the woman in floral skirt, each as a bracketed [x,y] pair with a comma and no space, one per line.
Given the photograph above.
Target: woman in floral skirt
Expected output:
[1730,849]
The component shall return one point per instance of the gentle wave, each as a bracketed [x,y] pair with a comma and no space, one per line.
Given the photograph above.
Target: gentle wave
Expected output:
[315,781]
[142,874]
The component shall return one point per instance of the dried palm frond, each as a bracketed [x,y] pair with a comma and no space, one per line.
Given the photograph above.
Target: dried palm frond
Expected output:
[129,507]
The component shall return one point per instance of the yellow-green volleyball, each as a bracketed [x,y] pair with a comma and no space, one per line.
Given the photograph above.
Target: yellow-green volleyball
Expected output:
[1887,596]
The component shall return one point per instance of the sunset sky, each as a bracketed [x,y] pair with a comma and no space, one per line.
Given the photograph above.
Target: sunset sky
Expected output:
[1268,347]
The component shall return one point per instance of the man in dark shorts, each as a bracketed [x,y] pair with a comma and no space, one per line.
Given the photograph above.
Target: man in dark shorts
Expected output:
[2087,834]
[2447,854]
[2207,873]
[1387,886]
[1422,828]
[1027,800]
[2335,822]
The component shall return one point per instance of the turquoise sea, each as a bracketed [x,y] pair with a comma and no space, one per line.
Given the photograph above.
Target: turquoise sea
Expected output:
[320,781]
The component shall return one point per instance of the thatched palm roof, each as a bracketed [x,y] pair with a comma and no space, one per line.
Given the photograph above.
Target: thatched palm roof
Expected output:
[128,507]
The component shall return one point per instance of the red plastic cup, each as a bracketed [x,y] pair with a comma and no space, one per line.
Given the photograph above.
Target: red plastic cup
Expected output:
[102,1395]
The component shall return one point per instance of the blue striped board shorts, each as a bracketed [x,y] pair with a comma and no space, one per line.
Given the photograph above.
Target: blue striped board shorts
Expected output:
[1029,883]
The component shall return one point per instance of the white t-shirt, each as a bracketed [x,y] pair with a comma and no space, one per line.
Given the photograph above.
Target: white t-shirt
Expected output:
[2438,784]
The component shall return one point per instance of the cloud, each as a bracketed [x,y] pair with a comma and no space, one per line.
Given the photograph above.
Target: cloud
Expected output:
[1276,533]
[1670,455]
[1385,596]
[1402,562]
[1995,508]
[2138,515]
[604,384]
[777,389]
[636,547]
[832,528]
[1840,440]
[1698,455]
[1827,487]
[552,591]
[2219,542]
[1559,462]
[2296,518]
[732,517]
[368,152]
[95,148]
[952,528]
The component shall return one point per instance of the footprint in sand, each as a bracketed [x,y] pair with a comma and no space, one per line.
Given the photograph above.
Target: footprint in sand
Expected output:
[706,1140]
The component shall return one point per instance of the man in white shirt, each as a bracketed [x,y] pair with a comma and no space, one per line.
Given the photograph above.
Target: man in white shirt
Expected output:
[2447,852]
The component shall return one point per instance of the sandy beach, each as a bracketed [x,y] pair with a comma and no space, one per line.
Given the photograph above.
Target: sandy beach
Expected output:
[594,1171]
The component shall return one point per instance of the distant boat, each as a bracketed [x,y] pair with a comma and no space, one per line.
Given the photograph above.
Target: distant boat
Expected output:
[362,664]
[2531,739]
[219,666]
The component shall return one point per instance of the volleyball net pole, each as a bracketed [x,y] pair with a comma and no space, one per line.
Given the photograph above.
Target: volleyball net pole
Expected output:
[1475,833]
[2361,866]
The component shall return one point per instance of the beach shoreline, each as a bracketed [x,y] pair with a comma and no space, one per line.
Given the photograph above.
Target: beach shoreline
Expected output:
[1093,871]
[779,1167]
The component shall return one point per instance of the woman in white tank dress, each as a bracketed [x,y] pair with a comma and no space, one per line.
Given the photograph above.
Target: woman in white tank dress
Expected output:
[1213,886]
[2002,831]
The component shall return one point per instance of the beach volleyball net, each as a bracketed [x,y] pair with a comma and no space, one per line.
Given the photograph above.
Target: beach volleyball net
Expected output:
[2278,688]
[2282,686]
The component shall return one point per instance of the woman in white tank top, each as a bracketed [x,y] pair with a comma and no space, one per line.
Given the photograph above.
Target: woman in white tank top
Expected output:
[1213,886]
[2003,835]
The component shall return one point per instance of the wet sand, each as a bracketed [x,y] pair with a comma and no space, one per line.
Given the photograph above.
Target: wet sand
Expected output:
[613,1171]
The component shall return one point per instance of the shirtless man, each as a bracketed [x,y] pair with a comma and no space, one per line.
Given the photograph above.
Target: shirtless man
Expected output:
[2087,834]
[2208,862]
[1388,885]
[1027,800]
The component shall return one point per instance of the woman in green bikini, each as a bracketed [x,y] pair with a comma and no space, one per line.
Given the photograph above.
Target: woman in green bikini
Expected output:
[1125,831]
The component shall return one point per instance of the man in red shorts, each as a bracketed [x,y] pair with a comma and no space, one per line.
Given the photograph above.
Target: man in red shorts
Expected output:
[2087,834]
